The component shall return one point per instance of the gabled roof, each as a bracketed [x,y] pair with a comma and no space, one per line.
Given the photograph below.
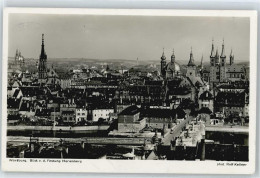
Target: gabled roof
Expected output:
[206,95]
[43,112]
[180,91]
[16,93]
[196,81]
[131,110]
[154,82]
[205,110]
[230,99]
[32,91]
[26,105]
[13,103]
[68,112]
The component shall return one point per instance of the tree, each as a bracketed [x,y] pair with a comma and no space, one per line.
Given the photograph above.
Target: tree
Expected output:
[100,121]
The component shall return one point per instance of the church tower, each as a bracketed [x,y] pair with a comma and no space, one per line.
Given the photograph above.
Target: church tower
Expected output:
[201,63]
[223,56]
[212,55]
[42,69]
[16,58]
[173,57]
[217,58]
[191,67]
[163,64]
[231,58]
[214,68]
[223,63]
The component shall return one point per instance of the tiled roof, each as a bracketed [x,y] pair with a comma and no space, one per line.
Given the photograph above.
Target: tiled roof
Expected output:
[205,110]
[13,103]
[230,99]
[159,113]
[206,96]
[131,110]
[67,112]
[16,93]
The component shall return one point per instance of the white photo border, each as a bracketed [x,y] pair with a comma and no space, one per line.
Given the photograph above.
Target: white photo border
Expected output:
[135,166]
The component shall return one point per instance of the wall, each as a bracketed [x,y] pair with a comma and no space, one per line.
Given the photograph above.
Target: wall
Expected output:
[101,113]
[81,114]
[131,127]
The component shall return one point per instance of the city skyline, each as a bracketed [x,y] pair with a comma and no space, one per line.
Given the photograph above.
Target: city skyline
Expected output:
[74,91]
[144,38]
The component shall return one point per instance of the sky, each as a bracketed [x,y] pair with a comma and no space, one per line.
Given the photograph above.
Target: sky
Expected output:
[127,37]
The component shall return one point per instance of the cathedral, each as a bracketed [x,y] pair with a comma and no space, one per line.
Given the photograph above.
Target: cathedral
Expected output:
[42,68]
[222,71]
[45,75]
[170,70]
[191,67]
[18,59]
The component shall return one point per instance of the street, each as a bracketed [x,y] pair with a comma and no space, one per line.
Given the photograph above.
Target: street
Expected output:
[176,131]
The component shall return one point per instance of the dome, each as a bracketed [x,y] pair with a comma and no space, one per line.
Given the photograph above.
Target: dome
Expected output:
[173,66]
[163,57]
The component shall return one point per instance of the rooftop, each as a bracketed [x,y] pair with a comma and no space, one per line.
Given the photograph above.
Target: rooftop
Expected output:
[131,110]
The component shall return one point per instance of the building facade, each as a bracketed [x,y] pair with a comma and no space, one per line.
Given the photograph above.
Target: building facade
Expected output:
[42,68]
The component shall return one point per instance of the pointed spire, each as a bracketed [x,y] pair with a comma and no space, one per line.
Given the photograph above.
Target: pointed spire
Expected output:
[163,56]
[191,61]
[217,57]
[231,53]
[223,50]
[43,54]
[231,57]
[173,56]
[201,62]
[217,53]
[212,49]
[42,39]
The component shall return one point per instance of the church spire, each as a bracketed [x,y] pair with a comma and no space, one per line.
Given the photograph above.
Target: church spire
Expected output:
[217,54]
[201,62]
[231,53]
[231,57]
[173,56]
[212,49]
[217,57]
[42,68]
[223,50]
[191,61]
[43,54]
[163,56]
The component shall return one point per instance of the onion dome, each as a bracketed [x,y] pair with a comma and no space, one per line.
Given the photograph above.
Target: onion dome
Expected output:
[163,56]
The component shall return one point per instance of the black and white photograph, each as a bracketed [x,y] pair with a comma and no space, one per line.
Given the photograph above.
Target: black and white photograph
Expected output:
[131,88]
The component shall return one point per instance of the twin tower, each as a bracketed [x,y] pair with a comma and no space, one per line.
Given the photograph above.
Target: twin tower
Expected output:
[217,65]
[216,60]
